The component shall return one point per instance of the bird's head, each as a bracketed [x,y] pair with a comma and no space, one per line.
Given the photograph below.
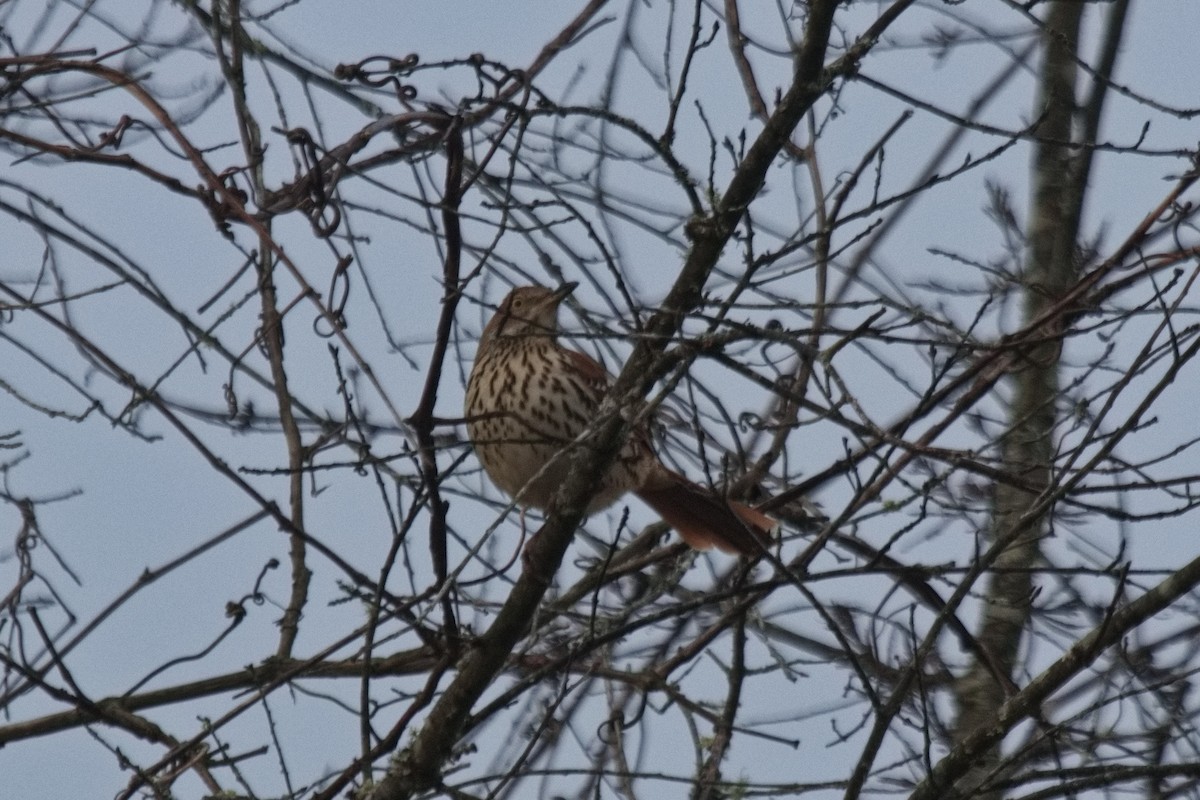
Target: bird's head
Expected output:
[527,311]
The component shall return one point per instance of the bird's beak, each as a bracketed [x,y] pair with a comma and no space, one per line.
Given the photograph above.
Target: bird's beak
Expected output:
[564,291]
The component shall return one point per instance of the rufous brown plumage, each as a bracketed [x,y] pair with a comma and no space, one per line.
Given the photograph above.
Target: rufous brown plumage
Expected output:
[528,398]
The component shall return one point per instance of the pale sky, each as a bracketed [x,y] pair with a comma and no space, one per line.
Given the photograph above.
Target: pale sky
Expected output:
[129,505]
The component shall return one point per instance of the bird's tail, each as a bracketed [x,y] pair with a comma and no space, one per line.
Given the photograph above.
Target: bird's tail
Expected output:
[705,520]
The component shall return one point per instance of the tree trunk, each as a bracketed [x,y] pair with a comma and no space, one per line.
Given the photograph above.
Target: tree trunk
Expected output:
[1028,447]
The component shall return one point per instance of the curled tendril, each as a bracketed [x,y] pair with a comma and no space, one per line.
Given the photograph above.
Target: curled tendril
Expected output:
[1177,210]
[339,294]
[27,540]
[321,227]
[257,595]
[379,71]
[319,204]
[749,421]
[500,74]
[618,722]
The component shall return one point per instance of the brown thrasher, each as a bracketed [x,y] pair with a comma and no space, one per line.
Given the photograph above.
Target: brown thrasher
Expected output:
[529,397]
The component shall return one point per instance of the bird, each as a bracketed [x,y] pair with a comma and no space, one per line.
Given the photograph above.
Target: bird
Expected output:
[528,398]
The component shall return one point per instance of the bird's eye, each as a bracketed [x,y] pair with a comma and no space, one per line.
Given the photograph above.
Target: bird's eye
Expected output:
[517,302]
